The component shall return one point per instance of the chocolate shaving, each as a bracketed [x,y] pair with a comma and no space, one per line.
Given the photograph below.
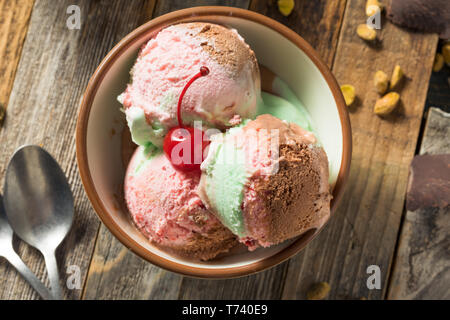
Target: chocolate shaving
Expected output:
[421,15]
[429,182]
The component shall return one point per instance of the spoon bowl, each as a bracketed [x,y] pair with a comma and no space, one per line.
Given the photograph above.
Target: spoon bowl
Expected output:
[39,204]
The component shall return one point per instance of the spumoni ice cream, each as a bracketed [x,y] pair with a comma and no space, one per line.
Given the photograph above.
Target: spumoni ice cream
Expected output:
[263,181]
[166,207]
[267,181]
[164,65]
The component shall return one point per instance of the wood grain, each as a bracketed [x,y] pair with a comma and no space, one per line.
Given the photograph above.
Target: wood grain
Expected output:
[318,22]
[55,67]
[164,6]
[14,19]
[117,273]
[363,231]
[422,263]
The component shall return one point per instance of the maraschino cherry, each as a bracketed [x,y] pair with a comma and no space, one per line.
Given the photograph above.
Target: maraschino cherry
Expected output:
[190,138]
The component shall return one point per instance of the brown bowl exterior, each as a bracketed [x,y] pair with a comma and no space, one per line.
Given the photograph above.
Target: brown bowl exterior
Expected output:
[150,29]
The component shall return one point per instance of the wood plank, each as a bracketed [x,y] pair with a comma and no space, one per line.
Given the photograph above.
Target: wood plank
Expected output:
[269,284]
[364,230]
[163,7]
[14,19]
[115,272]
[53,72]
[422,264]
[318,22]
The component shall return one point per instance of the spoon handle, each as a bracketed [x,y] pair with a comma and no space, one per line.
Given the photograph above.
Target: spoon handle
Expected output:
[17,262]
[53,274]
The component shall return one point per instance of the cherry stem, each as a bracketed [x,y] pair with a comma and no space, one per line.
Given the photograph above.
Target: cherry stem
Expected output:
[204,71]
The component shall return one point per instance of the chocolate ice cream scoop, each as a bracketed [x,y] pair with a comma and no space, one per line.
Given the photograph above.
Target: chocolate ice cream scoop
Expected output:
[421,15]
[266,181]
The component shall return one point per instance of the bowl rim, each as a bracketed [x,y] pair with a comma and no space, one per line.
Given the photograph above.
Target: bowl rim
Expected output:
[195,14]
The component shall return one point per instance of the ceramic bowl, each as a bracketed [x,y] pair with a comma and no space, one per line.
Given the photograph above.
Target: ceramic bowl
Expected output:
[101,123]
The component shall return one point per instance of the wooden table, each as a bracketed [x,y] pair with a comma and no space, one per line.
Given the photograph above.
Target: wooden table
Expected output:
[45,69]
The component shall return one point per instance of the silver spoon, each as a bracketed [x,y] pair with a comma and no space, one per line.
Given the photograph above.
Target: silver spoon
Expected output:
[39,204]
[7,251]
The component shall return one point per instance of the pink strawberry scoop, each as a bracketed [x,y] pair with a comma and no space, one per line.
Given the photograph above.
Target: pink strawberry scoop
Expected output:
[166,63]
[165,206]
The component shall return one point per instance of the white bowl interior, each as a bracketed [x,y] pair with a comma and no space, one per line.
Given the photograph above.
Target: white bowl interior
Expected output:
[106,124]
